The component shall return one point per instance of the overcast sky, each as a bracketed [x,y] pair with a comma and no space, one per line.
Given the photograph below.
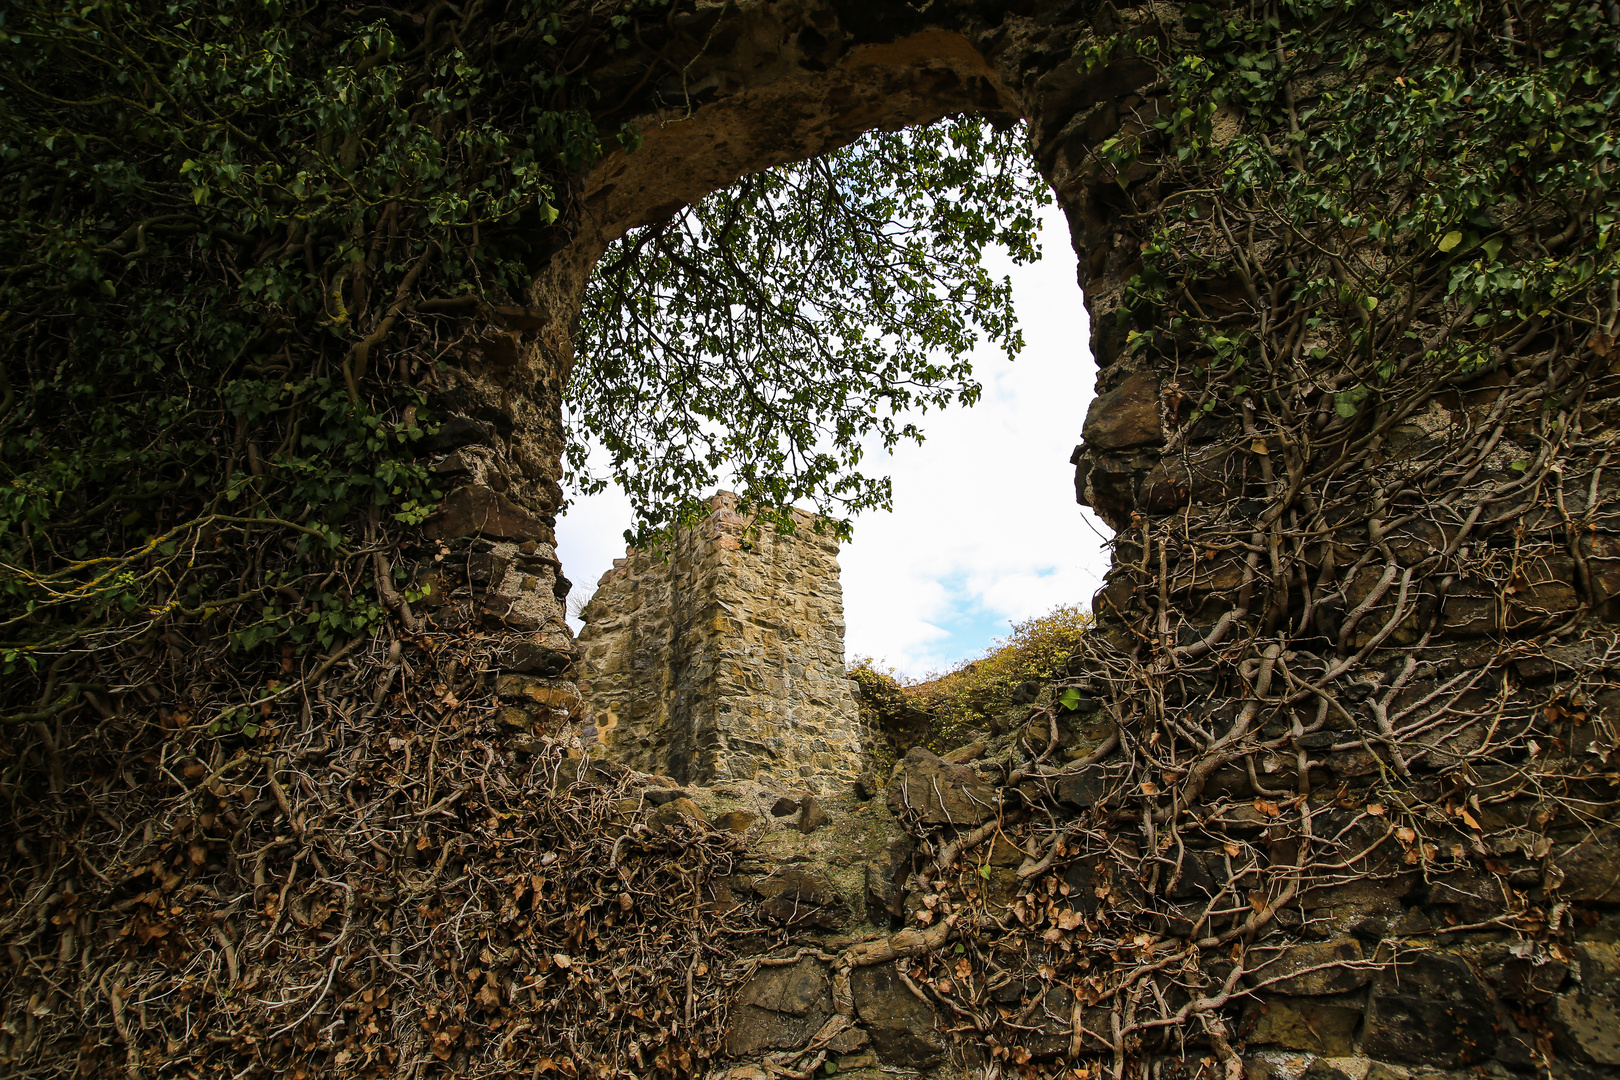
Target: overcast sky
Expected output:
[985,530]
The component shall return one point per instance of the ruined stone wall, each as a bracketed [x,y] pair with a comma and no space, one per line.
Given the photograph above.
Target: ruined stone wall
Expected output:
[723,658]
[1340,792]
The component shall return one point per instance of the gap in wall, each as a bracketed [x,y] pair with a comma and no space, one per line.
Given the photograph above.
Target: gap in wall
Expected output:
[985,530]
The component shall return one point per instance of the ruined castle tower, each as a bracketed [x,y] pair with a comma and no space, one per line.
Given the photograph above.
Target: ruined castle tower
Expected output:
[722,657]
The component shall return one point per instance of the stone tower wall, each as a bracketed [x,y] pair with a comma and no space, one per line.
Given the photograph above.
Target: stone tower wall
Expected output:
[723,658]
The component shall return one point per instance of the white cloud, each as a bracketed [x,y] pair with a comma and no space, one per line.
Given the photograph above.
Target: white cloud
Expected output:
[589,537]
[985,530]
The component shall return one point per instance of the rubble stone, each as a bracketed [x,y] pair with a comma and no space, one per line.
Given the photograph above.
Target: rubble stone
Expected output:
[1590,870]
[477,511]
[1429,1008]
[1304,1024]
[938,792]
[1295,976]
[780,1008]
[812,815]
[801,897]
[901,1026]
[1125,416]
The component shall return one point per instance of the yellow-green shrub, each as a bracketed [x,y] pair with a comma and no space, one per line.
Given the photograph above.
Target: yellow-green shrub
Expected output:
[968,697]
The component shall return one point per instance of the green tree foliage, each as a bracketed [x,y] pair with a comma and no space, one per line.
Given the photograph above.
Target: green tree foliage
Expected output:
[766,336]
[239,240]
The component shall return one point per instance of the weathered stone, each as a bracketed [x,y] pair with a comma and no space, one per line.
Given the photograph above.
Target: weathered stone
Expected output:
[784,806]
[780,1008]
[796,989]
[1200,878]
[1327,1068]
[1125,416]
[1379,1070]
[1586,1019]
[939,793]
[1095,885]
[515,717]
[1472,894]
[1082,790]
[533,658]
[1598,963]
[486,568]
[721,657]
[866,785]
[1430,1009]
[1303,1024]
[736,821]
[676,812]
[1052,1022]
[800,896]
[1472,608]
[1587,1027]
[1590,870]
[901,1026]
[479,511]
[812,815]
[1291,972]
[886,875]
[724,896]
[552,693]
[586,771]
[1532,980]
[1003,852]
[964,754]
[454,433]
[1543,590]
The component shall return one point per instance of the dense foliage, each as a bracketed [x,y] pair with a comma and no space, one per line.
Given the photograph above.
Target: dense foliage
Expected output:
[989,691]
[765,338]
[224,226]
[242,241]
[985,694]
[1443,160]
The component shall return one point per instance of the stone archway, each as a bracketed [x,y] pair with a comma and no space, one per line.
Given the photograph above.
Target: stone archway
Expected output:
[1357,653]
[764,84]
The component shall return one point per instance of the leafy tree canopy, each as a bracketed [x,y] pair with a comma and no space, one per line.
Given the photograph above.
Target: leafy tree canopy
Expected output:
[767,335]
